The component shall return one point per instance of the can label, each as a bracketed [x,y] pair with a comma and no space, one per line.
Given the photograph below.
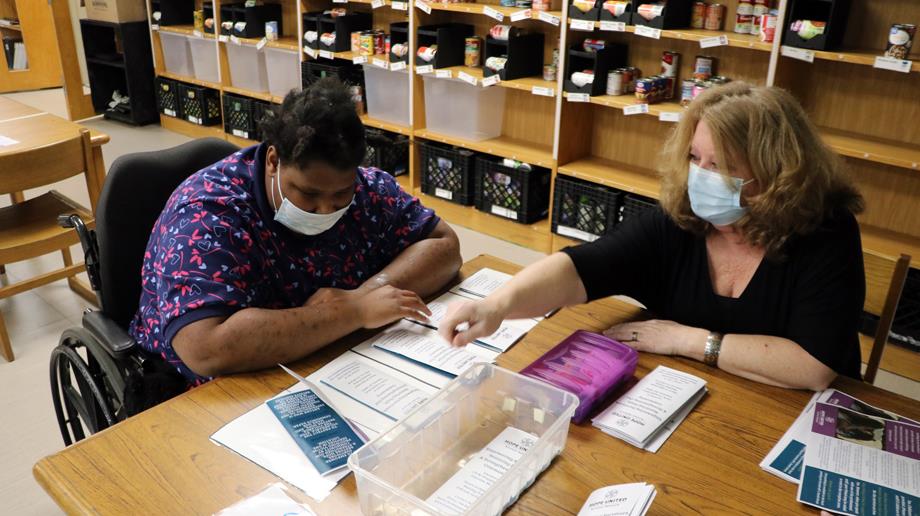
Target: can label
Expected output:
[745,7]
[715,13]
[670,63]
[615,83]
[702,67]
[900,40]
[743,23]
[471,53]
[698,18]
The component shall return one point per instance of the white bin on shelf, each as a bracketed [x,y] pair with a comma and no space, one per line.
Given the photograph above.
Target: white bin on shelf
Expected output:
[404,465]
[247,67]
[204,57]
[455,108]
[283,70]
[177,55]
[387,94]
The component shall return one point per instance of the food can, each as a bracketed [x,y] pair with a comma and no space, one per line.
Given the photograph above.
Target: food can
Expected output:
[500,32]
[670,63]
[524,4]
[755,26]
[386,51]
[271,30]
[541,5]
[593,45]
[615,83]
[549,72]
[761,8]
[644,88]
[745,7]
[715,13]
[556,57]
[743,23]
[698,19]
[356,42]
[496,64]
[366,44]
[399,49]
[686,92]
[507,3]
[357,96]
[616,8]
[427,53]
[768,27]
[635,74]
[472,51]
[198,17]
[900,40]
[380,43]
[699,87]
[702,67]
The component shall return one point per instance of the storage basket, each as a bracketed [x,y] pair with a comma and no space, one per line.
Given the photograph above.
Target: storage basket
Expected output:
[199,105]
[514,193]
[238,116]
[345,71]
[448,172]
[633,205]
[168,97]
[387,151]
[583,210]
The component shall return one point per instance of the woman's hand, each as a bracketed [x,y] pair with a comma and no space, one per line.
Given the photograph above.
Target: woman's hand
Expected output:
[386,304]
[476,319]
[658,336]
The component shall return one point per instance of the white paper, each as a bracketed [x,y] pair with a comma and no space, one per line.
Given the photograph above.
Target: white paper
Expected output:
[424,69]
[6,141]
[543,91]
[493,13]
[380,63]
[467,78]
[648,32]
[197,34]
[359,59]
[271,500]
[578,97]
[501,211]
[154,26]
[798,53]
[586,25]
[797,432]
[466,486]
[893,64]
[310,51]
[658,440]
[482,283]
[548,18]
[491,80]
[613,26]
[524,14]
[619,500]
[397,66]
[326,54]
[374,388]
[424,346]
[635,109]
[423,6]
[223,38]
[400,6]
[714,41]
[235,40]
[443,74]
[377,4]
[669,116]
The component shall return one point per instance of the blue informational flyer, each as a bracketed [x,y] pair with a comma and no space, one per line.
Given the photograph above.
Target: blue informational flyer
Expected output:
[323,435]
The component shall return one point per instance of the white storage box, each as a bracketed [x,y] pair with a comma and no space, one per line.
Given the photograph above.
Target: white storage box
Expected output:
[455,108]
[204,59]
[402,467]
[283,70]
[247,67]
[387,94]
[177,55]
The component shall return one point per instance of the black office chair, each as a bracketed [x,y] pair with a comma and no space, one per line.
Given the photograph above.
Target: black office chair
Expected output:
[99,375]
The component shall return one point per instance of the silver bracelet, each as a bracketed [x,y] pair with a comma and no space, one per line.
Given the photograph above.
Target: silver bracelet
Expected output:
[713,347]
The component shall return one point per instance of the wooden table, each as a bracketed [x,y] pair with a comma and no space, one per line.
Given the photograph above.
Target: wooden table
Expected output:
[34,128]
[162,462]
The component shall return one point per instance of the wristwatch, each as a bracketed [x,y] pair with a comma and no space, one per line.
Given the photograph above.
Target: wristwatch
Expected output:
[713,346]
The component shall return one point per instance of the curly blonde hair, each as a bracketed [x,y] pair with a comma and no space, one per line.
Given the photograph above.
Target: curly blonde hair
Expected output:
[802,181]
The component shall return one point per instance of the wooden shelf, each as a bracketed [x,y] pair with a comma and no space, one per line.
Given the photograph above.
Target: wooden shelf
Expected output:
[613,174]
[502,146]
[386,126]
[267,97]
[622,101]
[734,40]
[873,149]
[240,142]
[187,30]
[473,8]
[525,84]
[192,130]
[890,243]
[858,57]
[560,242]
[286,43]
[190,80]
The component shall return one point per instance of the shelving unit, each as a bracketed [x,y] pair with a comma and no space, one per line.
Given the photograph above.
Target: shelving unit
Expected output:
[35,28]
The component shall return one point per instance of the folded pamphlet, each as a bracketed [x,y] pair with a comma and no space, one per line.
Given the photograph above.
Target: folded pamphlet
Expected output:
[620,500]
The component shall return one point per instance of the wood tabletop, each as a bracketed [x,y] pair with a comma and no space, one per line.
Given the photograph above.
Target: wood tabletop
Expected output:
[161,461]
[33,127]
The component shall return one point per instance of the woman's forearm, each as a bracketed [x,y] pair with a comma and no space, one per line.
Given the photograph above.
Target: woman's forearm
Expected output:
[541,287]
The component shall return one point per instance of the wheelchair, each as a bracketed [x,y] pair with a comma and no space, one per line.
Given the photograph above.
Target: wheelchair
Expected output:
[99,375]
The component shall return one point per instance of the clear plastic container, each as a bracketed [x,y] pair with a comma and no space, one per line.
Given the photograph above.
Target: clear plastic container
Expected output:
[455,108]
[387,94]
[283,70]
[247,67]
[403,466]
[177,55]
[204,58]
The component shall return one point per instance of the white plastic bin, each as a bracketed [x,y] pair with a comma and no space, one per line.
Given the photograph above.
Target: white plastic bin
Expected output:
[283,68]
[204,59]
[177,56]
[387,94]
[403,466]
[455,108]
[247,67]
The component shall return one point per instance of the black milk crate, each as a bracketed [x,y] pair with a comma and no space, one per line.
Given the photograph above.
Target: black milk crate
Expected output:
[448,172]
[200,105]
[633,205]
[258,111]
[168,97]
[346,71]
[583,210]
[239,116]
[514,193]
[387,151]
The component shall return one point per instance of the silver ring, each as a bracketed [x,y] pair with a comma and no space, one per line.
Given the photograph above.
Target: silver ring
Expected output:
[635,336]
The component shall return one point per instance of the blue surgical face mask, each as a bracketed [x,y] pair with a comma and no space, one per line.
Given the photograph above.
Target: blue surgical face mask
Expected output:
[298,220]
[714,199]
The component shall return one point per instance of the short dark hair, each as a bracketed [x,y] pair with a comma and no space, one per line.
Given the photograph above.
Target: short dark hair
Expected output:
[318,123]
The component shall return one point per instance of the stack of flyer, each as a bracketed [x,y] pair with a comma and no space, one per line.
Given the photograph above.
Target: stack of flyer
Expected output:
[850,457]
[619,500]
[650,412]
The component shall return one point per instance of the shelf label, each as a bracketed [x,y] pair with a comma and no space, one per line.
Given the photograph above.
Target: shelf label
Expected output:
[397,66]
[340,1]
[223,38]
[576,233]
[424,69]
[543,91]
[326,54]
[443,74]
[493,13]
[444,194]
[197,34]
[548,18]
[714,41]
[578,97]
[467,78]
[261,44]
[377,4]
[400,6]
[491,80]
[170,112]
[501,211]
[194,119]
[380,63]
[521,15]
[235,40]
[310,52]
[669,116]
[893,64]
[648,32]
[798,53]
[240,134]
[635,109]
[154,26]
[423,6]
[613,26]
[359,59]
[587,25]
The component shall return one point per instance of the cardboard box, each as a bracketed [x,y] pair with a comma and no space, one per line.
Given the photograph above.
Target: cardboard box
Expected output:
[116,11]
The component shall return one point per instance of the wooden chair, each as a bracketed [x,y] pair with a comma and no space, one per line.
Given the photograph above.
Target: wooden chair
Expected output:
[29,228]
[885,278]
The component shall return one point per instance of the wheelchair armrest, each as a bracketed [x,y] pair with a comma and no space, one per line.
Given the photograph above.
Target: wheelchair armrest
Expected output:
[114,339]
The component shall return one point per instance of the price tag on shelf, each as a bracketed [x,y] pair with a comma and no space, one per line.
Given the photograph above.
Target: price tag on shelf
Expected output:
[669,116]
[798,53]
[635,109]
[325,54]
[377,4]
[397,66]
[443,74]
[648,32]
[578,97]
[340,1]
[543,91]
[467,78]
[491,80]
[197,34]
[235,40]
[548,18]
[380,63]
[587,25]
[495,14]
[714,41]
[261,44]
[310,52]
[893,64]
[423,6]
[154,26]
[521,15]
[400,6]
[223,38]
[613,26]
[359,59]
[424,69]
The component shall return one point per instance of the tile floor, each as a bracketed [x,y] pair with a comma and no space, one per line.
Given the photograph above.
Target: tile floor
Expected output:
[35,320]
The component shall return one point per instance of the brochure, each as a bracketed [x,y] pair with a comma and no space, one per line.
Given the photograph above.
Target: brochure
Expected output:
[619,500]
[424,346]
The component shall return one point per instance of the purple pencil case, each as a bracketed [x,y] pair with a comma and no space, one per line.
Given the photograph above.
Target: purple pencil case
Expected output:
[588,365]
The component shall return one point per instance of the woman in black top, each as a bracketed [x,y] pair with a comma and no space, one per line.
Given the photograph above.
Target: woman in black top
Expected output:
[753,263]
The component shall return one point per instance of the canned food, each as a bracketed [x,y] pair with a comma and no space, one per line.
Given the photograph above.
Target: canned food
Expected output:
[743,23]
[399,49]
[616,7]
[549,72]
[500,32]
[583,5]
[699,87]
[702,67]
[356,42]
[496,64]
[698,19]
[715,13]
[761,8]
[271,30]
[556,57]
[327,39]
[593,45]
[357,96]
[428,53]
[745,7]
[615,83]
[541,5]
[686,92]
[768,27]
[636,73]
[650,11]
[670,63]
[365,43]
[900,40]
[755,26]
[198,17]
[380,43]
[525,4]
[507,3]
[644,88]
[472,51]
